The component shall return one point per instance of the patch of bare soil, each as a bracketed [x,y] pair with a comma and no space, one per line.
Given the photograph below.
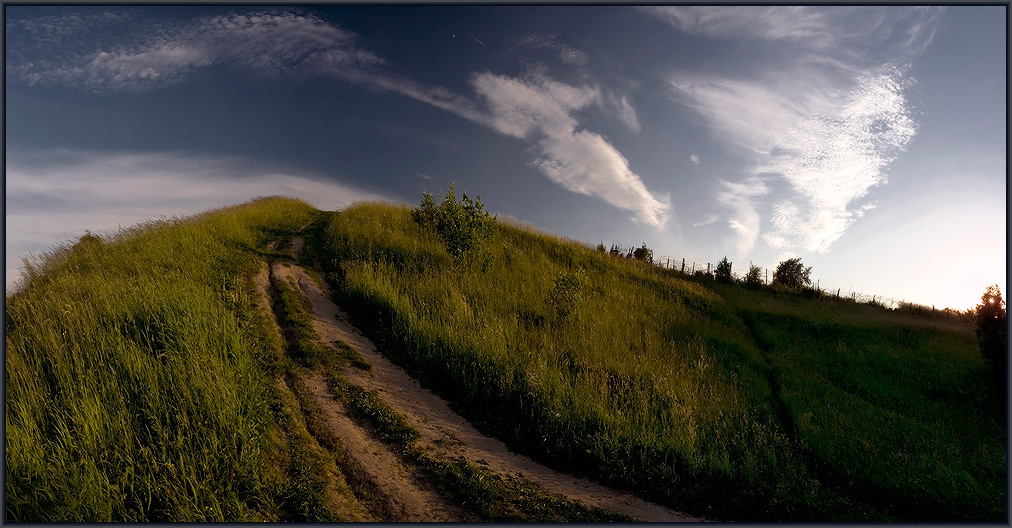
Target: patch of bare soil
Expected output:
[405,497]
[443,432]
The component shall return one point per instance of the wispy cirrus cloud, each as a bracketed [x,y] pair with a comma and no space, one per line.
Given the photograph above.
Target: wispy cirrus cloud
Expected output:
[828,118]
[95,53]
[784,22]
[107,53]
[744,221]
[581,161]
[562,51]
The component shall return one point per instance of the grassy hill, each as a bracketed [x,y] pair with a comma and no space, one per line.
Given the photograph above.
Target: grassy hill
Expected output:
[139,375]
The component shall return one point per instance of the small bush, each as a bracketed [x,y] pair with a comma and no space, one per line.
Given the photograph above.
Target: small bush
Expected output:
[723,271]
[754,277]
[989,320]
[792,274]
[465,226]
[643,253]
[567,294]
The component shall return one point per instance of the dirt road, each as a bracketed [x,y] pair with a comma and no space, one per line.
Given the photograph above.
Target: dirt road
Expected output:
[443,433]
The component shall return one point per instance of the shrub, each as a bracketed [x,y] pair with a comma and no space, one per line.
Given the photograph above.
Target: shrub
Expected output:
[600,248]
[465,226]
[992,335]
[567,293]
[754,277]
[644,253]
[723,271]
[792,274]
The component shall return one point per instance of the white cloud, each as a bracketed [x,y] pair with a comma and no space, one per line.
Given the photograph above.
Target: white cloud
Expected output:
[119,58]
[578,160]
[828,120]
[302,45]
[780,22]
[740,197]
[55,195]
[709,219]
[565,53]
[624,112]
[694,159]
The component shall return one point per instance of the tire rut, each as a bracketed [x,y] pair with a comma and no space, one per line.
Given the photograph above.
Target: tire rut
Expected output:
[443,432]
[403,497]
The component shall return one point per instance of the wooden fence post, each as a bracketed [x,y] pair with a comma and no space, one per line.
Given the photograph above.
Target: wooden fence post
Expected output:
[683,265]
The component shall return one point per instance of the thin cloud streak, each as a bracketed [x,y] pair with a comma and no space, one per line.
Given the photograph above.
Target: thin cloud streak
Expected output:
[276,43]
[267,43]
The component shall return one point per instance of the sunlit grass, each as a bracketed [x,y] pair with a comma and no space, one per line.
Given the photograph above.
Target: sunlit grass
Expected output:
[136,374]
[704,397]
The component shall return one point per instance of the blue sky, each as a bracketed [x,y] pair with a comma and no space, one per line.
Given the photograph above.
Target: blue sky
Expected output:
[871,141]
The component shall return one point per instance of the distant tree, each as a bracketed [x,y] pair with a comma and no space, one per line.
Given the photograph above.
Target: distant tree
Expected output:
[600,247]
[615,252]
[992,333]
[754,277]
[644,253]
[792,274]
[723,271]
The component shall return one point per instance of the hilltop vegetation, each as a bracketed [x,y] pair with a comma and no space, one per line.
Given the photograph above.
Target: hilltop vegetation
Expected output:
[139,375]
[712,398]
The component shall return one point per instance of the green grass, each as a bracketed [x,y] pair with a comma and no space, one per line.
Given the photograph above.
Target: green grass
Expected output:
[137,374]
[140,376]
[722,401]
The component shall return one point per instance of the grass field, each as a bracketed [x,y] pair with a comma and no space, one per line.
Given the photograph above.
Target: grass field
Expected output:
[719,400]
[140,378]
[138,375]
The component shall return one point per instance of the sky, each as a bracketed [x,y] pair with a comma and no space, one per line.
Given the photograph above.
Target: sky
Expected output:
[870,141]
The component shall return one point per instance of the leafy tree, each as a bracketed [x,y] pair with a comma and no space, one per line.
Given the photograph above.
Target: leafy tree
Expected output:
[754,277]
[644,253]
[792,274]
[992,333]
[600,247]
[465,226]
[723,271]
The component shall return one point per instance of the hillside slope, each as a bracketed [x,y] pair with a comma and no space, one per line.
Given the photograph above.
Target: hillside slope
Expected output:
[146,381]
[717,400]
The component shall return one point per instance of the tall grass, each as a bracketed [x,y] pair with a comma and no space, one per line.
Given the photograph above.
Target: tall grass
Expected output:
[137,384]
[702,397]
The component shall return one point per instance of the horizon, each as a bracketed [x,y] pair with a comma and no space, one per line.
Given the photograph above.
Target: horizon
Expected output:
[870,141]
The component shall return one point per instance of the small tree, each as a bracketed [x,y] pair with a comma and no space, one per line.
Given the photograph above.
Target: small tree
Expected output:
[792,274]
[723,271]
[465,226]
[644,253]
[992,334]
[600,248]
[754,277]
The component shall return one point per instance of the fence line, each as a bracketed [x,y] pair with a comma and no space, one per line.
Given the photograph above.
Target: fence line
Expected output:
[690,267]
